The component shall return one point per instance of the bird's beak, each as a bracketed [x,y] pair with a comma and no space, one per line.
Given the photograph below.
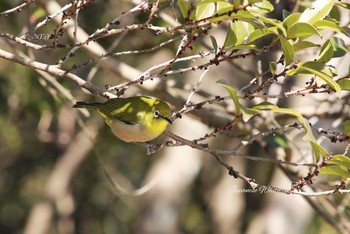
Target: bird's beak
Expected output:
[166,118]
[169,120]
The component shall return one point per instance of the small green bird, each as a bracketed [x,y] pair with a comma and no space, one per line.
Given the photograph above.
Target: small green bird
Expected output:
[133,119]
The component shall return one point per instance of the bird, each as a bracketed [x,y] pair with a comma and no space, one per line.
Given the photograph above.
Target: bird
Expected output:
[133,119]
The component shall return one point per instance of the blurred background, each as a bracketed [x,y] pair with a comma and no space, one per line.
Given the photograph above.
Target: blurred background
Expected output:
[62,170]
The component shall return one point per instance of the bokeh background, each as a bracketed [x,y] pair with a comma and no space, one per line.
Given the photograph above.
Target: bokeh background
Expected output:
[62,171]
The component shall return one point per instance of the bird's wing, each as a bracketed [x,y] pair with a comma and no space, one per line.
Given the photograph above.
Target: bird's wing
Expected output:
[119,108]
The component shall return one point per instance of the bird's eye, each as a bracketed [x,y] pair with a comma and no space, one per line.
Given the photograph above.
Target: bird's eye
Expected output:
[156,114]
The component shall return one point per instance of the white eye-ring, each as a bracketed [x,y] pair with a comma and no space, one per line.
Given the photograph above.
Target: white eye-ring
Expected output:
[156,114]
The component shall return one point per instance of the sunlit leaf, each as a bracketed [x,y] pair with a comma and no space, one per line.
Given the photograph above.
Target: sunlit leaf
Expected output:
[317,149]
[258,33]
[246,112]
[318,69]
[326,52]
[340,160]
[344,5]
[204,10]
[273,67]
[233,95]
[291,20]
[303,30]
[344,84]
[184,6]
[301,45]
[331,25]
[335,170]
[319,10]
[214,43]
[288,50]
[261,7]
[235,34]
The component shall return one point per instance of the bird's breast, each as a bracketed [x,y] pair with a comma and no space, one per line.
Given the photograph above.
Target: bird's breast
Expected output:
[130,132]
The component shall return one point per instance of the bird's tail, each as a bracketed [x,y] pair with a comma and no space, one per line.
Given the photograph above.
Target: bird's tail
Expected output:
[87,105]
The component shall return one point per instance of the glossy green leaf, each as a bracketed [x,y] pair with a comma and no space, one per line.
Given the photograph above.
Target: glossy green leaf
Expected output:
[291,20]
[332,48]
[233,95]
[246,112]
[303,30]
[258,33]
[319,10]
[204,10]
[340,160]
[301,45]
[331,25]
[344,5]
[335,13]
[261,7]
[273,67]
[344,84]
[236,3]
[335,170]
[347,127]
[239,29]
[317,149]
[235,34]
[273,22]
[339,47]
[326,52]
[318,69]
[214,43]
[184,6]
[288,50]
[223,7]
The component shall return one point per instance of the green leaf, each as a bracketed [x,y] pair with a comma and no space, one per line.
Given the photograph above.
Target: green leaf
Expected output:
[332,48]
[319,10]
[317,149]
[233,95]
[184,6]
[288,51]
[335,13]
[258,33]
[291,20]
[335,170]
[318,69]
[273,67]
[331,25]
[303,30]
[239,29]
[301,45]
[347,127]
[344,84]
[235,34]
[204,9]
[340,160]
[273,22]
[246,112]
[261,7]
[326,52]
[236,3]
[214,43]
[339,47]
[344,5]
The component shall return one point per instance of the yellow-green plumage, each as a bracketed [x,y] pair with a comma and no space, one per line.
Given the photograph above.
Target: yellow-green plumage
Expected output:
[134,119]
